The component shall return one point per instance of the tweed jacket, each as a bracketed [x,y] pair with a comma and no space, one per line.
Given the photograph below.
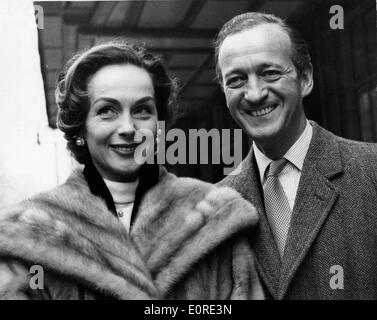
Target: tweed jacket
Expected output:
[187,242]
[331,248]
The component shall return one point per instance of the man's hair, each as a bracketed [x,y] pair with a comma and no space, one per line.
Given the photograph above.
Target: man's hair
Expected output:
[300,53]
[71,87]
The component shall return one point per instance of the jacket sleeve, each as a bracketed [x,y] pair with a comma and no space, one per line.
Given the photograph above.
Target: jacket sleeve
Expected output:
[227,273]
[209,279]
[15,282]
[246,282]
[18,282]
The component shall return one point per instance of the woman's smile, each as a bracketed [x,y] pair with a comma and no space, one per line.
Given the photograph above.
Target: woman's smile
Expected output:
[122,106]
[125,149]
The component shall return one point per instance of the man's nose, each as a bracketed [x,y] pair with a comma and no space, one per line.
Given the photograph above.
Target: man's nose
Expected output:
[126,125]
[256,91]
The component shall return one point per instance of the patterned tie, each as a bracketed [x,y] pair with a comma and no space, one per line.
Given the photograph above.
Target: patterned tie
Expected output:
[276,203]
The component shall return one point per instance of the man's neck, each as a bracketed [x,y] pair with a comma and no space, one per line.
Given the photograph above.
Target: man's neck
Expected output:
[279,147]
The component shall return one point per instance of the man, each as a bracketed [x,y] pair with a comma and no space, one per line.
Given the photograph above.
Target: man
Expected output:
[315,192]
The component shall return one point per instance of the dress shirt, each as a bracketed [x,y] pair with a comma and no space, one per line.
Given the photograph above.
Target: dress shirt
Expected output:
[290,175]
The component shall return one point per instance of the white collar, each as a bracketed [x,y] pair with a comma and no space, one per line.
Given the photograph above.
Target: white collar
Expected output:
[122,192]
[295,155]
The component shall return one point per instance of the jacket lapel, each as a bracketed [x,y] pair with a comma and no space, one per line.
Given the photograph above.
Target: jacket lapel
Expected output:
[314,200]
[266,251]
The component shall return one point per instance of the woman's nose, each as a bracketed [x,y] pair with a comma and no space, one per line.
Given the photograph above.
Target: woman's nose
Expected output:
[256,91]
[126,125]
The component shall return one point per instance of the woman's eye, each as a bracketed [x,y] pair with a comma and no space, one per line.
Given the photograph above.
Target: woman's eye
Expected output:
[143,111]
[235,82]
[106,111]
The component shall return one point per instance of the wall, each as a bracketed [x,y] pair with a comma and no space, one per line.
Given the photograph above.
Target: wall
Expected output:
[32,155]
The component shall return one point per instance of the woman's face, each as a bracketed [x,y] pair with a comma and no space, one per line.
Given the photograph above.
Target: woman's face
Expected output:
[122,101]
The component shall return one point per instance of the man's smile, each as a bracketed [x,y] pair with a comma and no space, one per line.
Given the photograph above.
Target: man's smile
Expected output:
[261,111]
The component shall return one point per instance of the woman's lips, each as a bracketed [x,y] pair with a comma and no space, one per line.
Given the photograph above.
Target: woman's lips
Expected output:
[125,149]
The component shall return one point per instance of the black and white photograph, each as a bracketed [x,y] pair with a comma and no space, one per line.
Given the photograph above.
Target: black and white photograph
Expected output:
[197,150]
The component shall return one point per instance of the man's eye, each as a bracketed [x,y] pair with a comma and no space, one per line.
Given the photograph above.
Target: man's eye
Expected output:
[235,82]
[271,75]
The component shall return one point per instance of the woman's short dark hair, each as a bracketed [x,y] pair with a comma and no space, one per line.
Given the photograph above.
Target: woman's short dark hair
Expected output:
[300,53]
[71,87]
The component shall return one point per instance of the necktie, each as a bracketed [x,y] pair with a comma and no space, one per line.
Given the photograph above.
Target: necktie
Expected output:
[276,203]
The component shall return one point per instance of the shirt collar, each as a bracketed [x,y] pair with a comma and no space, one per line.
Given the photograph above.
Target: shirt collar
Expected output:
[122,192]
[295,155]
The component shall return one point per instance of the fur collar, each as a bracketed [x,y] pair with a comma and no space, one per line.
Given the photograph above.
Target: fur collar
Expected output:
[72,232]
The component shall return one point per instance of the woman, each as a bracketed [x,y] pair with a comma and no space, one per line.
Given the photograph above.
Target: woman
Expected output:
[120,229]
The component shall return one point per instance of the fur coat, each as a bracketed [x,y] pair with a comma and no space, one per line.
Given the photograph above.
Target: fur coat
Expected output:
[188,241]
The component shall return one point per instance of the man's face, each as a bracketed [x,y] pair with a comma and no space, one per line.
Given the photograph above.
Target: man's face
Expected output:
[262,87]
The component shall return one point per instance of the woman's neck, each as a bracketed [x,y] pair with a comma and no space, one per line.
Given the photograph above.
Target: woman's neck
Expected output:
[122,192]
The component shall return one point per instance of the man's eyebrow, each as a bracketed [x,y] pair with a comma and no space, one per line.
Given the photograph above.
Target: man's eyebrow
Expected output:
[234,70]
[269,65]
[261,66]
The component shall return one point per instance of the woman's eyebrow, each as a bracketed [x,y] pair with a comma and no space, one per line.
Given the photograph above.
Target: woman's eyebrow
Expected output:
[107,99]
[145,99]
[116,102]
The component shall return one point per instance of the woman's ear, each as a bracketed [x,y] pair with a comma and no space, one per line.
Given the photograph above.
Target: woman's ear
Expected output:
[82,132]
[306,81]
[80,138]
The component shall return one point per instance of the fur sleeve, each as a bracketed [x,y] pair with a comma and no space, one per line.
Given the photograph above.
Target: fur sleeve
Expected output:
[15,281]
[246,282]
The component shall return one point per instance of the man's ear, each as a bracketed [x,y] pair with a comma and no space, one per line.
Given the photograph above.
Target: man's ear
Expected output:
[220,82]
[222,86]
[306,81]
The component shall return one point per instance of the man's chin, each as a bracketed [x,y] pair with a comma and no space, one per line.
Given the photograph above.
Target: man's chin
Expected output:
[263,134]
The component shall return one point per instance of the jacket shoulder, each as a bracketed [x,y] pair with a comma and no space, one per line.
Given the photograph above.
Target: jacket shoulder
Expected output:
[350,150]
[358,155]
[357,149]
[358,160]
